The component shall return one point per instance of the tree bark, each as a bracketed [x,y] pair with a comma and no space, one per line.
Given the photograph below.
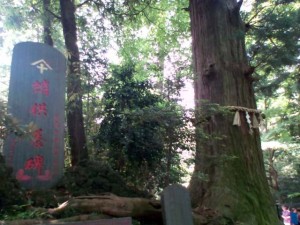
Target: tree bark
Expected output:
[112,205]
[47,22]
[77,138]
[273,175]
[229,174]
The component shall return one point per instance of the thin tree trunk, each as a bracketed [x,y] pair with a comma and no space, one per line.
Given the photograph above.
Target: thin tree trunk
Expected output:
[77,138]
[229,174]
[47,23]
[169,162]
[273,175]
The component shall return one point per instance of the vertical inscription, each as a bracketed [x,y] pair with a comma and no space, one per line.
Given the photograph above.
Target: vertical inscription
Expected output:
[56,142]
[36,94]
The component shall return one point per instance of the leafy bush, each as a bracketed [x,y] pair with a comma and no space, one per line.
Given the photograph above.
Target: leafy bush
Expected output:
[94,177]
[10,190]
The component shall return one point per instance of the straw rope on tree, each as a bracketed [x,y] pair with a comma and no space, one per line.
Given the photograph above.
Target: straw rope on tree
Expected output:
[253,116]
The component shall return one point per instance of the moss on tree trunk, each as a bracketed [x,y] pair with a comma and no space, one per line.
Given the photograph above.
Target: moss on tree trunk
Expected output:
[229,173]
[77,138]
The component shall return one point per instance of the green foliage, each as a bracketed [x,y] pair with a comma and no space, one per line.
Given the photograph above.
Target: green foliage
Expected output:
[94,177]
[19,212]
[10,191]
[273,49]
[140,132]
[21,16]
[45,198]
[9,124]
[157,39]
[272,42]
[286,162]
[123,98]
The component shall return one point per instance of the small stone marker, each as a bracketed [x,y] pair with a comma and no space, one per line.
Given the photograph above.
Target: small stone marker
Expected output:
[115,221]
[37,96]
[176,206]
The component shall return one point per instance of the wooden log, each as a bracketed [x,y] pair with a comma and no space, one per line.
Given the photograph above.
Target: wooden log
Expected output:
[113,205]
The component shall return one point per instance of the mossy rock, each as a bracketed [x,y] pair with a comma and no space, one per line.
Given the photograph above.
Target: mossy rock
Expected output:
[94,177]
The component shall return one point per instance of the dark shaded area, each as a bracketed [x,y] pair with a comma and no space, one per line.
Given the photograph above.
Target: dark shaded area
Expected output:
[10,190]
[92,177]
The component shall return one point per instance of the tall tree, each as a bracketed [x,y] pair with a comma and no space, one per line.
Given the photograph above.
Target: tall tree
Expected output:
[229,174]
[77,138]
[47,21]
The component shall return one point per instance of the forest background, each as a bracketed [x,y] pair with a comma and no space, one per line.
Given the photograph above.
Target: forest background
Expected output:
[136,65]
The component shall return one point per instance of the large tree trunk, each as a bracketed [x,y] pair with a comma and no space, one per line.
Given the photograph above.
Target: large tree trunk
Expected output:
[229,173]
[77,138]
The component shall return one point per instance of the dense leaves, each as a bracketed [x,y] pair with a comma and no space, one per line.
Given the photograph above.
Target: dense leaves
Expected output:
[94,177]
[273,43]
[273,48]
[140,132]
[10,191]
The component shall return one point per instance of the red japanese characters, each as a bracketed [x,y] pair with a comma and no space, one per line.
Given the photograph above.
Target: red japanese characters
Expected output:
[37,97]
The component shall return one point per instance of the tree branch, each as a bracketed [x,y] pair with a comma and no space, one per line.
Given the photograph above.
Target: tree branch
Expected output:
[255,15]
[48,10]
[83,3]
[54,15]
